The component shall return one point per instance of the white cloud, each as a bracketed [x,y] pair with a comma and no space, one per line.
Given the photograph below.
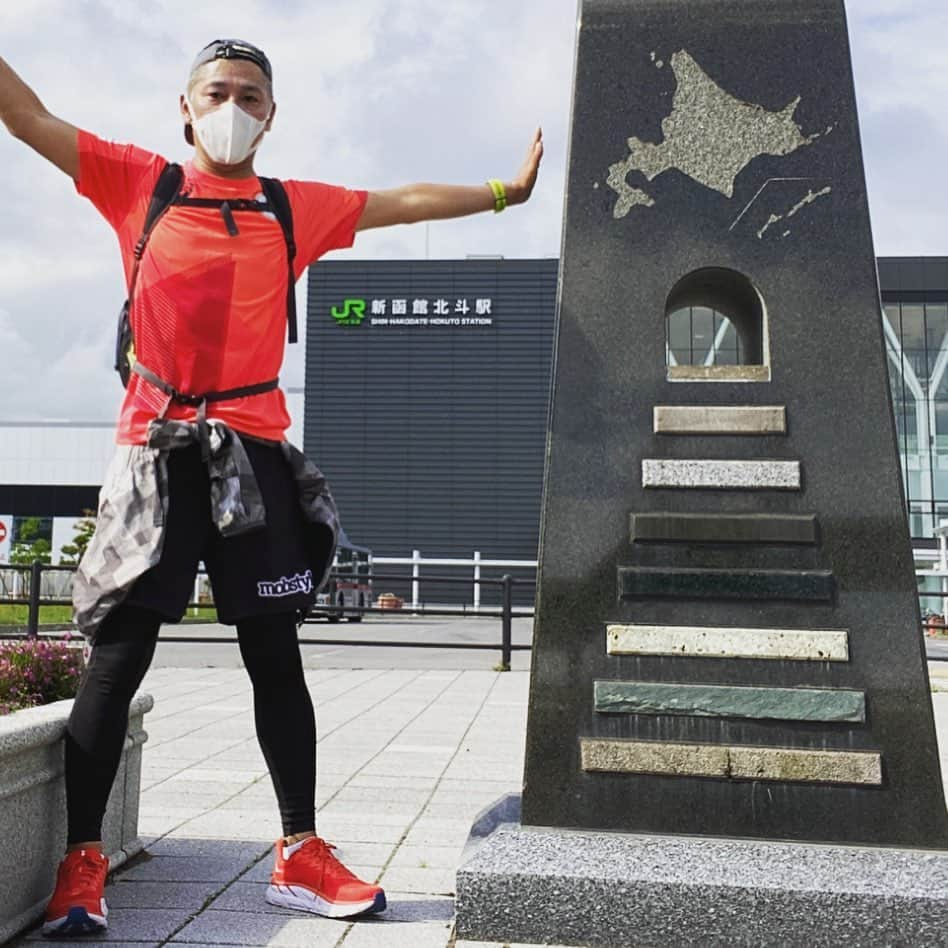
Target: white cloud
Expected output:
[901,89]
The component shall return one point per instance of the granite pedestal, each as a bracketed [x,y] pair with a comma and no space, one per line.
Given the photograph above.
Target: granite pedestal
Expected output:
[619,890]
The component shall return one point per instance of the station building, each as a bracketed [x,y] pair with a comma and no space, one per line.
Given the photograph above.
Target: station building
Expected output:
[426,394]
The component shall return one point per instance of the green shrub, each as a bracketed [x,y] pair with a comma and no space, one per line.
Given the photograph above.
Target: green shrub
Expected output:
[37,671]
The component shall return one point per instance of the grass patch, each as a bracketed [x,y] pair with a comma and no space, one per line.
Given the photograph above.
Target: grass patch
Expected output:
[48,615]
[200,614]
[62,615]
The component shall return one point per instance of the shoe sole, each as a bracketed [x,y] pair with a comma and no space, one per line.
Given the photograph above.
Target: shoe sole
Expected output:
[296,897]
[77,922]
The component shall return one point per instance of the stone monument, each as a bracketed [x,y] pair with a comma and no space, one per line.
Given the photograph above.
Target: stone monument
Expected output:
[727,641]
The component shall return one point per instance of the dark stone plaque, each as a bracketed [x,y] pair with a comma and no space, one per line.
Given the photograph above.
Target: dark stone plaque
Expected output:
[647,581]
[715,164]
[722,528]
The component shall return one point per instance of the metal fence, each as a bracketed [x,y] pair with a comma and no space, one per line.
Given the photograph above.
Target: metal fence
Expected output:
[932,564]
[470,575]
[34,586]
[41,585]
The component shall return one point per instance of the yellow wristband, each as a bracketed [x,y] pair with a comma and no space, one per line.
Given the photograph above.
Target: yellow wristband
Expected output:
[500,194]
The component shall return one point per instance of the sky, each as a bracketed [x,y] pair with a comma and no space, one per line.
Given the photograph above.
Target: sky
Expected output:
[372,94]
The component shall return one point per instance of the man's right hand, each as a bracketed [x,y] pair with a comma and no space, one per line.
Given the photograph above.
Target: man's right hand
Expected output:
[26,118]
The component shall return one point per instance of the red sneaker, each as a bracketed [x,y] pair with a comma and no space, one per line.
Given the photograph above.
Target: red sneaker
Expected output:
[308,876]
[78,904]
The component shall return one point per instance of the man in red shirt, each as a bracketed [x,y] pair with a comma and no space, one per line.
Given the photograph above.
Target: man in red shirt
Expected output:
[203,470]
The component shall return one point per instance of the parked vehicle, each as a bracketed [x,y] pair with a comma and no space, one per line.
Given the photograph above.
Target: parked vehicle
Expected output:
[348,591]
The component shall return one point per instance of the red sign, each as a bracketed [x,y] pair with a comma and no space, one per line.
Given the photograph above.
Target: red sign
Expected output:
[3,531]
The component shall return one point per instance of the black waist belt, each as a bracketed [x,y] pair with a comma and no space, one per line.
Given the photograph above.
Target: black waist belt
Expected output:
[200,402]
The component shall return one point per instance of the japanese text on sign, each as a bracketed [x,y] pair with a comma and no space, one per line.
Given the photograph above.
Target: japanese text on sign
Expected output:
[431,312]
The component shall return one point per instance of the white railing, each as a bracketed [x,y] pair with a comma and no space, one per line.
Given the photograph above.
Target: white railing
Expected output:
[15,584]
[416,561]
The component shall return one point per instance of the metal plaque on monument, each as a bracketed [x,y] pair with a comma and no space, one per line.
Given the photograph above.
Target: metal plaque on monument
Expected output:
[730,734]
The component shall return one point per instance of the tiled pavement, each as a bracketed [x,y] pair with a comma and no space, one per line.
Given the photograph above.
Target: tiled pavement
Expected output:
[407,758]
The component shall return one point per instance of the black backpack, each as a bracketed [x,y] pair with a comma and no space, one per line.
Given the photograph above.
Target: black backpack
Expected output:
[167,193]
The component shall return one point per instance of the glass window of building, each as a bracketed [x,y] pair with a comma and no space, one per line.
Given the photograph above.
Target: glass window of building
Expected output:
[916,338]
[699,335]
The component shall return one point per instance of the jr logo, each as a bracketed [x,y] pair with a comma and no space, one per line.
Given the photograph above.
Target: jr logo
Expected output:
[353,312]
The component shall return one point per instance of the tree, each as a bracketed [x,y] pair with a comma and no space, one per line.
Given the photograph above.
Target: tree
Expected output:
[30,543]
[71,553]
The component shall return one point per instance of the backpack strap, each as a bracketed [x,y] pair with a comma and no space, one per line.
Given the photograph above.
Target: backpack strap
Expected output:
[183,398]
[162,197]
[200,402]
[279,201]
[166,190]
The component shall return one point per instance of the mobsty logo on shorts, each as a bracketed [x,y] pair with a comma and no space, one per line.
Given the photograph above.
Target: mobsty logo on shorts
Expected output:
[286,586]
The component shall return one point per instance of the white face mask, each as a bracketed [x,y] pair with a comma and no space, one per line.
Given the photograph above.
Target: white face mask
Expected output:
[228,133]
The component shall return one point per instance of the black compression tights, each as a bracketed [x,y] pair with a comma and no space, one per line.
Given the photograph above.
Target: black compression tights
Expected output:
[283,711]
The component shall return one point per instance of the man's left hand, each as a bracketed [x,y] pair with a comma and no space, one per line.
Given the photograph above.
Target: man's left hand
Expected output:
[520,189]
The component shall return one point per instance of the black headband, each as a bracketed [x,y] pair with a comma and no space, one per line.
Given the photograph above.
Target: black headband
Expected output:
[233,49]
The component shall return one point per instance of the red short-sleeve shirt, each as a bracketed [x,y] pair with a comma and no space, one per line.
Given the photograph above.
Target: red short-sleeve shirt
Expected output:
[209,309]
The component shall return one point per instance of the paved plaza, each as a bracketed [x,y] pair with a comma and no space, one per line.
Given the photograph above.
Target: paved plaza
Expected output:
[409,754]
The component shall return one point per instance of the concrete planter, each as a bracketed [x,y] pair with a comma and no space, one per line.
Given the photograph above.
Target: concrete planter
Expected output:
[33,806]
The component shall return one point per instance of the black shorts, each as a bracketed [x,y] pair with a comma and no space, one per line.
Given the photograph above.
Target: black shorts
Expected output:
[258,573]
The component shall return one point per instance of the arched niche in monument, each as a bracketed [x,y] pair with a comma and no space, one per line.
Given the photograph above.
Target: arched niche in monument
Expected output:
[731,311]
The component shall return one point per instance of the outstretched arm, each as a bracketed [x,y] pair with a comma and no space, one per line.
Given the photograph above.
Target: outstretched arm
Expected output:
[431,202]
[26,118]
